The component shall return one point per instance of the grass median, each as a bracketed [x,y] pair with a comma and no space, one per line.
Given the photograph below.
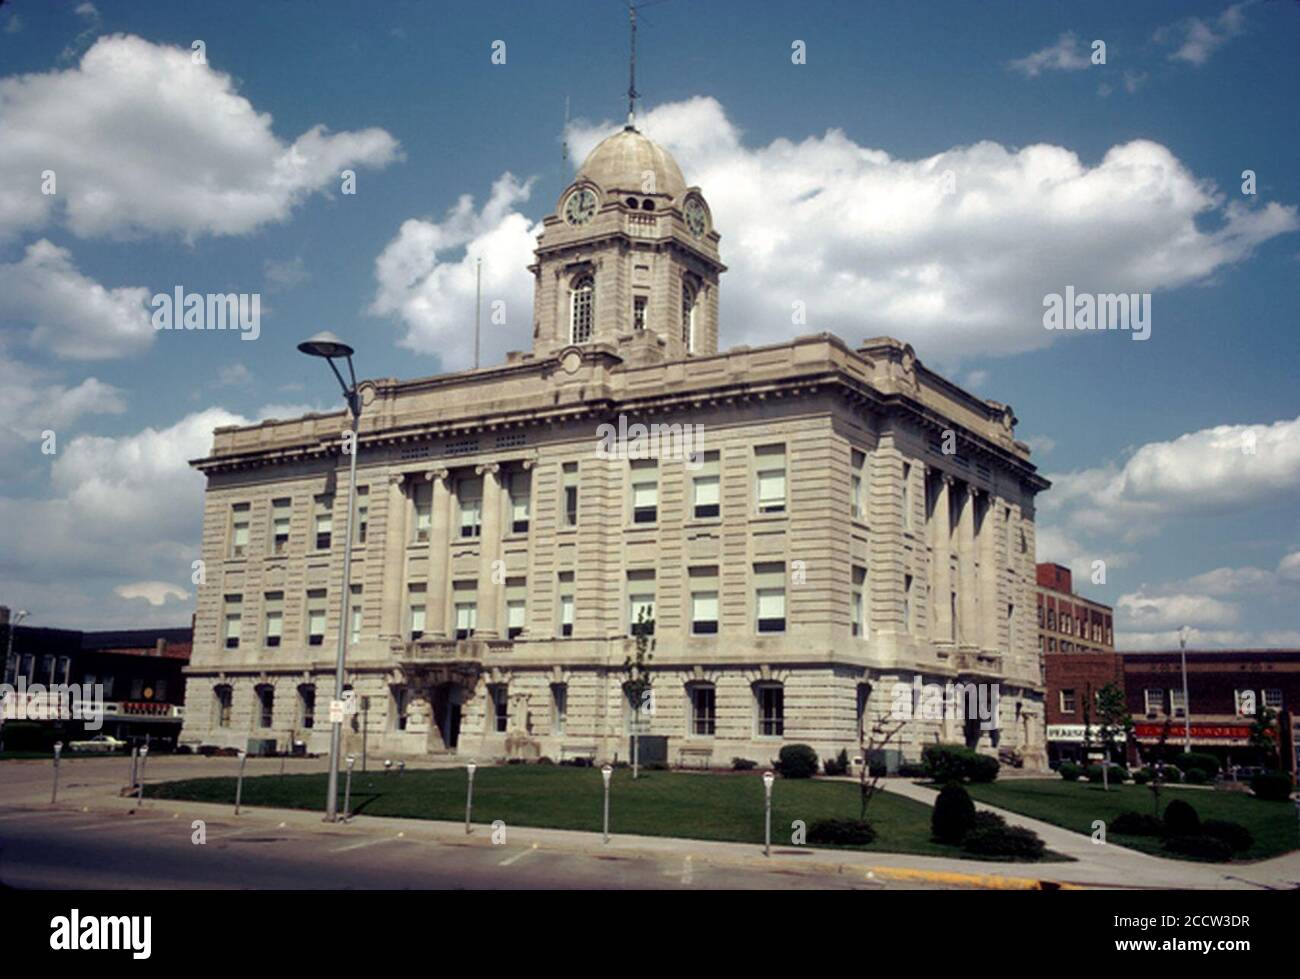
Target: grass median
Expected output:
[704,806]
[1075,805]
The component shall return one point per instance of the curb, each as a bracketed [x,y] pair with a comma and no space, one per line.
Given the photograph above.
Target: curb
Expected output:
[986,881]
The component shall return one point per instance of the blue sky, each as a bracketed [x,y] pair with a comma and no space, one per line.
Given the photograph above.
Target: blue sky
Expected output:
[1117,176]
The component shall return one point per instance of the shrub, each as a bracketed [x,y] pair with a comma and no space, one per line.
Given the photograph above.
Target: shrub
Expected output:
[1234,834]
[1199,846]
[988,820]
[1188,760]
[841,832]
[838,766]
[1142,776]
[1181,819]
[1195,776]
[797,761]
[1118,773]
[912,770]
[953,816]
[1070,771]
[743,764]
[1136,824]
[545,760]
[1004,841]
[1271,786]
[956,763]
[877,769]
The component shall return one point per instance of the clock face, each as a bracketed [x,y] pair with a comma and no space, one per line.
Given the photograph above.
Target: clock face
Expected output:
[580,207]
[695,217]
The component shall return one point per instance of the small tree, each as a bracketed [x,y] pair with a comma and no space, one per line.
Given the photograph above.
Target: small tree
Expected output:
[880,737]
[1263,734]
[1115,720]
[637,685]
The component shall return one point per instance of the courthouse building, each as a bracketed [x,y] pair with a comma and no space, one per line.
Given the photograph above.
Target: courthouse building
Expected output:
[818,548]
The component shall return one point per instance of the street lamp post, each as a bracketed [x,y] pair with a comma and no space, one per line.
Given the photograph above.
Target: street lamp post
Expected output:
[605,773]
[471,768]
[1187,704]
[239,784]
[58,750]
[329,346]
[768,779]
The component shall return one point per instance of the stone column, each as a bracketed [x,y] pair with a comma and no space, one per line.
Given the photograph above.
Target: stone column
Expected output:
[941,558]
[991,611]
[435,597]
[394,571]
[489,549]
[967,589]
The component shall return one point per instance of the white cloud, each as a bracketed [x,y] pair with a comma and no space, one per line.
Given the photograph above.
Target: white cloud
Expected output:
[234,375]
[142,140]
[1198,39]
[1039,444]
[1288,568]
[426,277]
[73,316]
[1064,55]
[1207,639]
[285,274]
[1212,471]
[153,592]
[87,10]
[1144,612]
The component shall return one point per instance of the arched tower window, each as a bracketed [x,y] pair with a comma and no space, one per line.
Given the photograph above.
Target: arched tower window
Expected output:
[688,317]
[582,310]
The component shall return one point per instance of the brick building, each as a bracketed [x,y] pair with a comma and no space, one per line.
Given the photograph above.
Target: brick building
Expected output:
[1072,685]
[1070,623]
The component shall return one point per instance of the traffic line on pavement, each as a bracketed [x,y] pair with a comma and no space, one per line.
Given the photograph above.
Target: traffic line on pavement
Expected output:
[518,856]
[364,843]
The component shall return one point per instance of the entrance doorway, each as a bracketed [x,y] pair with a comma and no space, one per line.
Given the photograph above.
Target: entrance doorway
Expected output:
[447,700]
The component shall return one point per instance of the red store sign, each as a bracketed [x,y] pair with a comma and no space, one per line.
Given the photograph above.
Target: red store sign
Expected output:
[1198,730]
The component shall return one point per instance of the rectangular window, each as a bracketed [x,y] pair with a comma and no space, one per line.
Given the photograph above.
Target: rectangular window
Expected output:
[1154,701]
[638,312]
[500,718]
[465,596]
[706,487]
[316,617]
[519,488]
[1177,704]
[234,617]
[401,708]
[570,494]
[307,705]
[280,510]
[224,702]
[273,603]
[559,708]
[354,616]
[703,710]
[645,490]
[704,600]
[857,478]
[422,501]
[417,595]
[324,522]
[858,599]
[1272,698]
[907,603]
[641,602]
[516,606]
[363,514]
[771,710]
[239,530]
[769,596]
[769,472]
[566,603]
[469,497]
[1011,627]
[1067,701]
[266,703]
[906,501]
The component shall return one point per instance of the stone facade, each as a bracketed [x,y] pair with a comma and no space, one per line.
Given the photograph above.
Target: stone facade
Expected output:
[505,552]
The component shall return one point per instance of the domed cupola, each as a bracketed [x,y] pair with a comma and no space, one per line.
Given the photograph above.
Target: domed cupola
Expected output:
[630,163]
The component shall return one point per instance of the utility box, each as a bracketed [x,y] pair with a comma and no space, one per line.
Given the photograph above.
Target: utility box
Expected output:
[261,747]
[653,749]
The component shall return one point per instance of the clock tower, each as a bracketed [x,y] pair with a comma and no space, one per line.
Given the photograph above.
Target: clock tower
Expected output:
[628,259]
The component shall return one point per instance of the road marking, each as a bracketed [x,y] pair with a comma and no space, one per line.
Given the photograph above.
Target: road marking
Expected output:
[688,874]
[522,853]
[363,843]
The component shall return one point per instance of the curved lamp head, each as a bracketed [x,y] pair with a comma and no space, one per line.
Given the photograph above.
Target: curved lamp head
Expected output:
[471,767]
[768,779]
[605,773]
[325,344]
[352,760]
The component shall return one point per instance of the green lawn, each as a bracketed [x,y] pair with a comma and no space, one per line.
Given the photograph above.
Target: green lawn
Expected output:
[703,806]
[1074,805]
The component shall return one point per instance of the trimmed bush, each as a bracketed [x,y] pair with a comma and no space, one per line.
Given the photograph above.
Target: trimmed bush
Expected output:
[953,816]
[912,770]
[956,763]
[1200,847]
[1136,824]
[877,769]
[1070,771]
[1234,834]
[839,765]
[797,761]
[1118,773]
[988,820]
[1195,776]
[1188,760]
[1142,776]
[1004,841]
[1271,786]
[544,760]
[841,832]
[1181,819]
[743,764]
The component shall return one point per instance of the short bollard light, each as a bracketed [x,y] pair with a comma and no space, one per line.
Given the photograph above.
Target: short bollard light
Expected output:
[401,767]
[58,751]
[471,768]
[388,767]
[606,773]
[768,779]
[239,784]
[347,789]
[139,797]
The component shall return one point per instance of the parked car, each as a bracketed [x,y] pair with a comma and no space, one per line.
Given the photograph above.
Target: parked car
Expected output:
[99,744]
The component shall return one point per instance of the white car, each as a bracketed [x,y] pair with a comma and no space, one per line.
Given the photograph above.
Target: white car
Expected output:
[100,743]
